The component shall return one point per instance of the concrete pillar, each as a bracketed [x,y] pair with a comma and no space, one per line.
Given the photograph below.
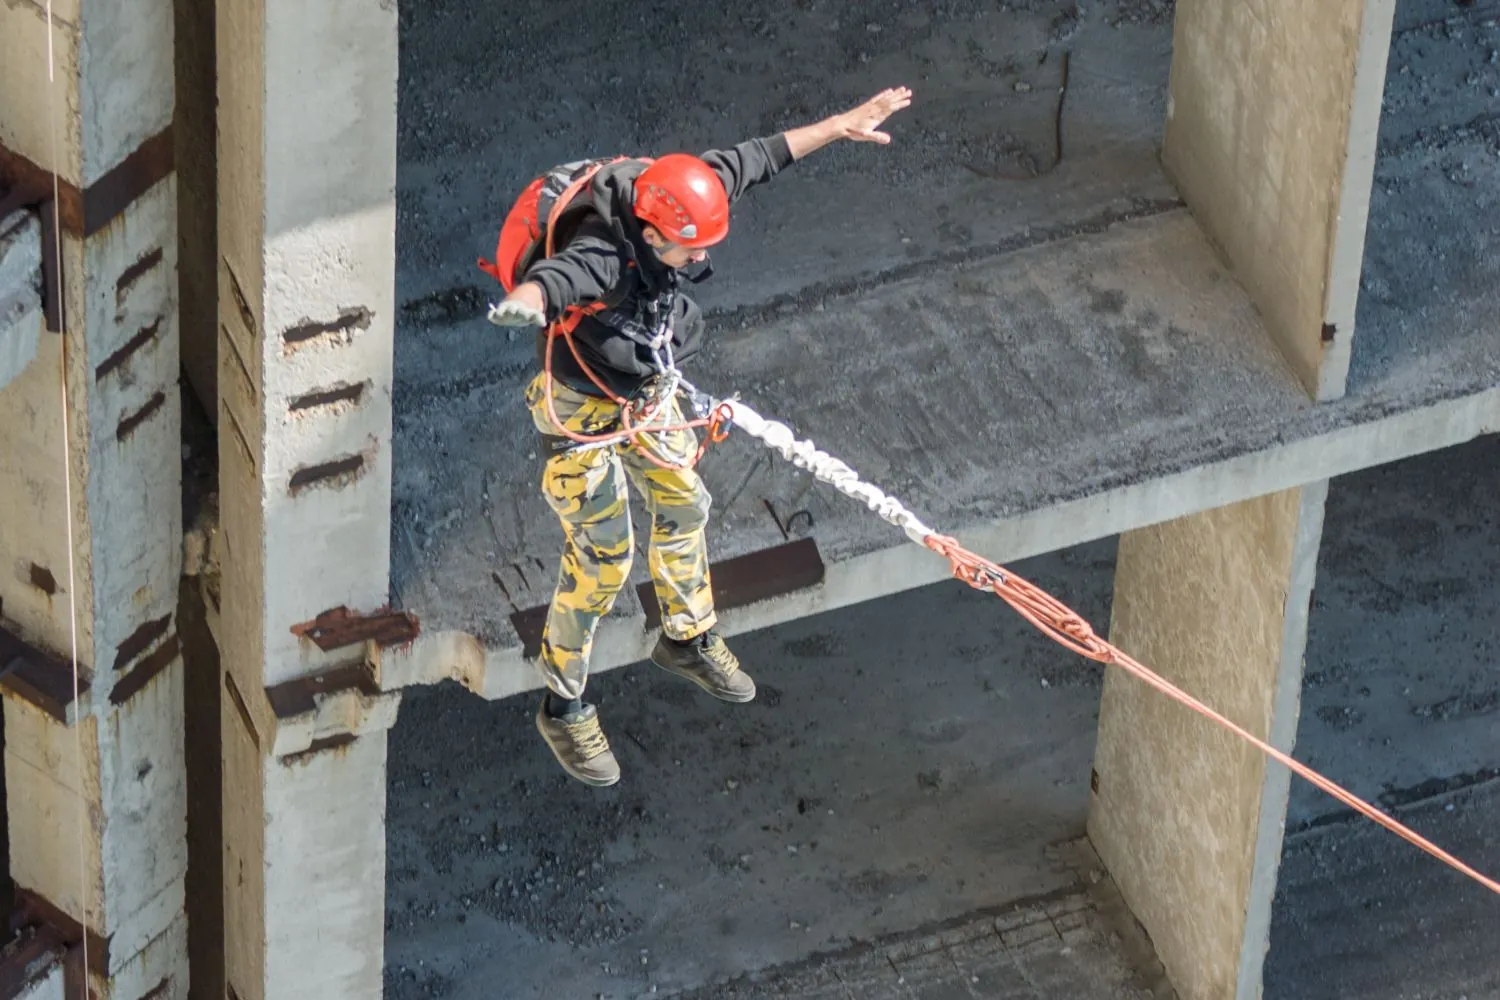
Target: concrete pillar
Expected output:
[307,172]
[1187,818]
[97,849]
[1270,137]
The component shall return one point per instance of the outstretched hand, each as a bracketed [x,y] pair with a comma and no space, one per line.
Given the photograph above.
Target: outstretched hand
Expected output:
[514,313]
[861,123]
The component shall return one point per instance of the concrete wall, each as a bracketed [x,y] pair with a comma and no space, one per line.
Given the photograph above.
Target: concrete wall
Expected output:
[1270,136]
[1187,817]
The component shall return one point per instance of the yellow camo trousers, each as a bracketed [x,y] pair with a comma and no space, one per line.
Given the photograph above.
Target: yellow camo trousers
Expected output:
[587,490]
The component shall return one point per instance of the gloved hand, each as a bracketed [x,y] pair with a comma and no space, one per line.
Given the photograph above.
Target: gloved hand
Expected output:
[513,313]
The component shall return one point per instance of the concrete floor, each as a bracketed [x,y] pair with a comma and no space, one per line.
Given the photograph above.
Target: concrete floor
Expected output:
[951,755]
[1360,914]
[1432,265]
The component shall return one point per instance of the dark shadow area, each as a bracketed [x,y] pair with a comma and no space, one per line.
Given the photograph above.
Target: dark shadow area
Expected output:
[1400,705]
[201,725]
[205,876]
[908,761]
[194,132]
[1431,282]
[7,888]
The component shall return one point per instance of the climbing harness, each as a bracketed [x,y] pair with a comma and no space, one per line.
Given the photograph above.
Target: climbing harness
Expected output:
[521,239]
[1041,609]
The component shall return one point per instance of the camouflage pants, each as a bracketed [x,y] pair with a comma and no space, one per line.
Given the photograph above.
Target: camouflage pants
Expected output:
[587,490]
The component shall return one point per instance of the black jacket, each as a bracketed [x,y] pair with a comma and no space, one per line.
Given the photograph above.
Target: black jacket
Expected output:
[606,257]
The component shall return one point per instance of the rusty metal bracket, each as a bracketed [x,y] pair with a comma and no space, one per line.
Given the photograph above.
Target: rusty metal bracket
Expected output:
[34,913]
[82,213]
[748,579]
[299,697]
[37,677]
[339,627]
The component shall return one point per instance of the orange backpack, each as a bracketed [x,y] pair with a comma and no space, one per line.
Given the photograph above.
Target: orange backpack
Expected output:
[526,235]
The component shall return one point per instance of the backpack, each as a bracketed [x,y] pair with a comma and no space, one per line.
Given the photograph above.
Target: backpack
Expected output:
[538,215]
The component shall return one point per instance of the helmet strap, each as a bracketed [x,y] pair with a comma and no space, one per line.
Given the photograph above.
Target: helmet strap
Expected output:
[703,273]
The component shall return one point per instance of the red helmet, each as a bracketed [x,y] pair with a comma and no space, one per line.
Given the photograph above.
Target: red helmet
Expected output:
[683,197]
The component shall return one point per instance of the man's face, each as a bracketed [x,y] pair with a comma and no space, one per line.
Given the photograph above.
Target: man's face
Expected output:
[671,254]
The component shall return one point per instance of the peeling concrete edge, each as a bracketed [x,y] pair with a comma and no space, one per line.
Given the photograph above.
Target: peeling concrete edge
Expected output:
[499,671]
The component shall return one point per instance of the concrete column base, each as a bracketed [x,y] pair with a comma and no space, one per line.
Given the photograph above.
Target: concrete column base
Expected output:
[1187,817]
[304,848]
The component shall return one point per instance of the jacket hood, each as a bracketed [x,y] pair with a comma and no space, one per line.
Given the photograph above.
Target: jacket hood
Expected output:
[612,194]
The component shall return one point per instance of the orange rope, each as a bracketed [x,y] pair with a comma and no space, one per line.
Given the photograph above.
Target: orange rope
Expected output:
[717,423]
[1066,627]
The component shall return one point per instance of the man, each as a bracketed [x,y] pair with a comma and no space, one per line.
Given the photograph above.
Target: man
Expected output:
[644,225]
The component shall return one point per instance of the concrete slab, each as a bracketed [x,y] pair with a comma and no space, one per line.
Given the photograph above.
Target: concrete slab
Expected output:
[1085,371]
[997,386]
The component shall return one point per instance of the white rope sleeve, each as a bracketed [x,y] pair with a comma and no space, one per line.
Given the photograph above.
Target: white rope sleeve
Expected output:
[806,455]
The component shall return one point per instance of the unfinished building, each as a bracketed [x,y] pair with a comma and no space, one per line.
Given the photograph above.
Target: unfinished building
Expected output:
[1129,271]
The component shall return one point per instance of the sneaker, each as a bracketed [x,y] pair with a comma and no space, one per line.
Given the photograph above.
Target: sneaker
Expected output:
[708,663]
[579,745]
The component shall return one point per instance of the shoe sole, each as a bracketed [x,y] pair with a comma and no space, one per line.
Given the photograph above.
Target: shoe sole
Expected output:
[728,696]
[575,775]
